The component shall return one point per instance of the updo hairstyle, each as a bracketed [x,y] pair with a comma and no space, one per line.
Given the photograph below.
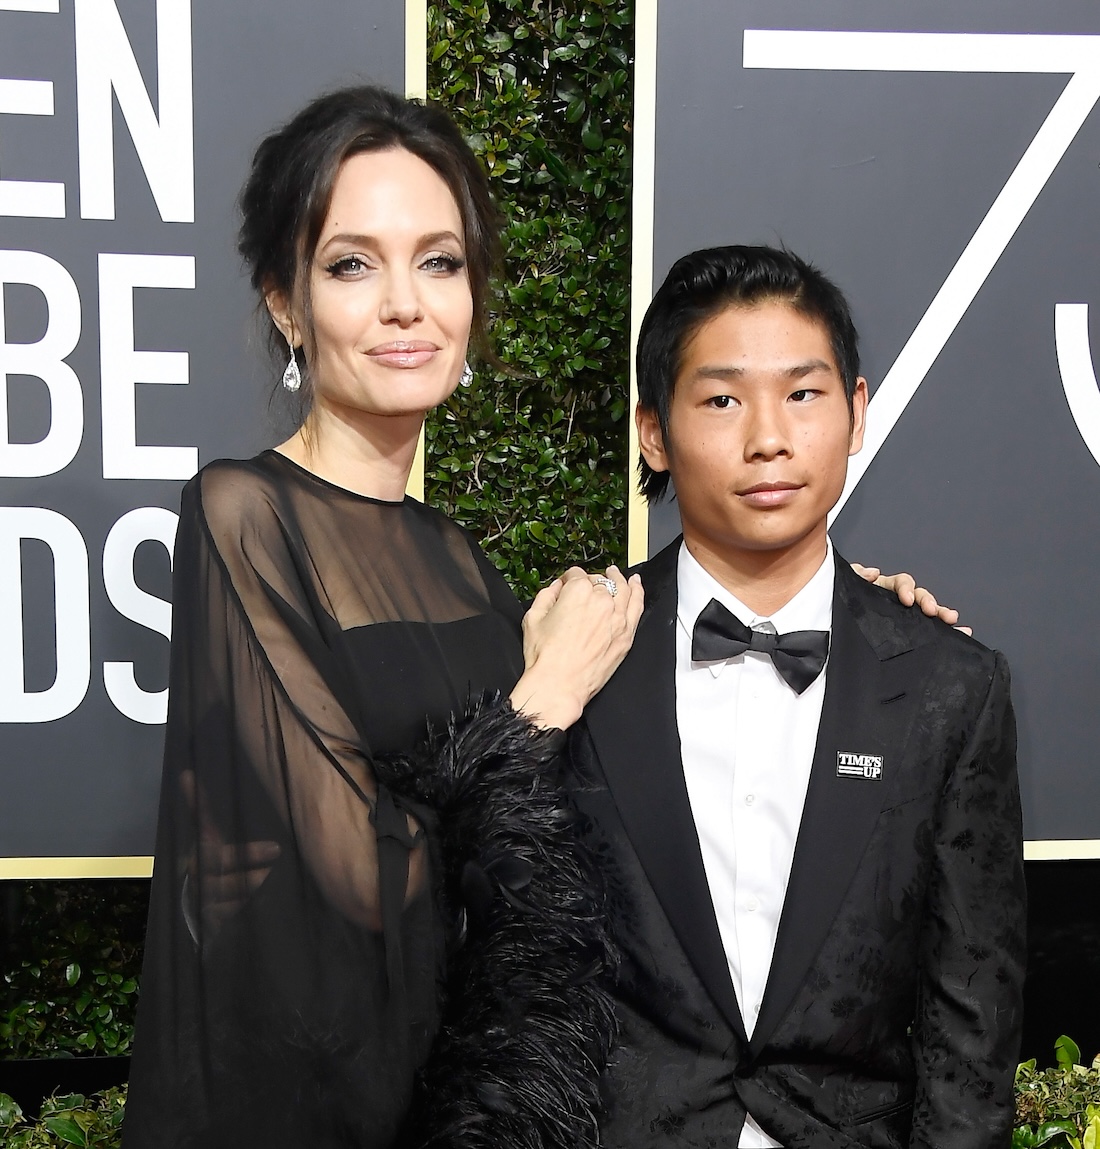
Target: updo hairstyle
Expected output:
[286,199]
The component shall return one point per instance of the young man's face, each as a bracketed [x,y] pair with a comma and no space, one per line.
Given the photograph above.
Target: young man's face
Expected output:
[759,433]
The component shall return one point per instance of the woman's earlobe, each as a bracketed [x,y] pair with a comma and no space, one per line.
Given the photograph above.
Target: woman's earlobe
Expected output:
[281,315]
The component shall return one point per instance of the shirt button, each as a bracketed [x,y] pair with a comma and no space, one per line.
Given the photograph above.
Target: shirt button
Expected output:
[756,1008]
[752,905]
[749,799]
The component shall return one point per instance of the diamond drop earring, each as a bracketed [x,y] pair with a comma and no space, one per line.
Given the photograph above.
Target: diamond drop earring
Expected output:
[292,376]
[467,376]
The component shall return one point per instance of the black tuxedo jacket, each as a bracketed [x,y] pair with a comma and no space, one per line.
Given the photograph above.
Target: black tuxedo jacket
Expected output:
[893,1007]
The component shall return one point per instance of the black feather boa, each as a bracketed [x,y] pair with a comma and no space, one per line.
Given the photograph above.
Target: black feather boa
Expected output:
[527,1023]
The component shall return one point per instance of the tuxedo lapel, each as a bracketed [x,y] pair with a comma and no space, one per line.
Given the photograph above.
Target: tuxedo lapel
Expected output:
[865,712]
[633,726]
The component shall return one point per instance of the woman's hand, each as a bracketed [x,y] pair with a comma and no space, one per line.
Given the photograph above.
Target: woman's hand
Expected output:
[574,637]
[905,587]
[220,876]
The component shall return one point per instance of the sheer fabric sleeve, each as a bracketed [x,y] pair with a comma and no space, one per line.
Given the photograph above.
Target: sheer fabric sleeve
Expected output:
[310,976]
[267,659]
[349,946]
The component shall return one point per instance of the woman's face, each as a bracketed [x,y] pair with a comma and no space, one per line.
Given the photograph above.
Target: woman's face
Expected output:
[391,296]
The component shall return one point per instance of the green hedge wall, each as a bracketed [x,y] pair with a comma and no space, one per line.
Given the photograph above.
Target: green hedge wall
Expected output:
[534,463]
[70,976]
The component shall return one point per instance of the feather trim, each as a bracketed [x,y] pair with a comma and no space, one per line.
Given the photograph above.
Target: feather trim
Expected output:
[527,1021]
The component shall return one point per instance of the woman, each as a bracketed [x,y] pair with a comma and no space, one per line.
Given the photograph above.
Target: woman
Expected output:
[366,884]
[325,626]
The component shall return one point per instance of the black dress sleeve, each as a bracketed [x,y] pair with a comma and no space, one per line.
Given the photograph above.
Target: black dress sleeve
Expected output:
[287,1002]
[349,946]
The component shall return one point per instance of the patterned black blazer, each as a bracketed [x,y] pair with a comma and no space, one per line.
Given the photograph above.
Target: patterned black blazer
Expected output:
[893,1008]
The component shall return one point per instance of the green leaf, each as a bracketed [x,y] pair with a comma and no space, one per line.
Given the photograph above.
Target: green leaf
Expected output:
[10,1113]
[67,1130]
[1047,1133]
[1066,1051]
[64,1102]
[72,973]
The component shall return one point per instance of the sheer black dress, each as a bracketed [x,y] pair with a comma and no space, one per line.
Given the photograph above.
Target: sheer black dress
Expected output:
[420,962]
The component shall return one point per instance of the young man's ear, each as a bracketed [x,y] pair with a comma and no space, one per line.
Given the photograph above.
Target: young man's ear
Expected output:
[651,439]
[859,416]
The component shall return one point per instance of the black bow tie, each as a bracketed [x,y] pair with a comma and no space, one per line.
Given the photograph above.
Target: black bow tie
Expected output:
[798,656]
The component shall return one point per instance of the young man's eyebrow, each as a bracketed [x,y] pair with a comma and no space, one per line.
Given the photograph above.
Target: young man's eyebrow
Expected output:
[795,371]
[807,368]
[716,372]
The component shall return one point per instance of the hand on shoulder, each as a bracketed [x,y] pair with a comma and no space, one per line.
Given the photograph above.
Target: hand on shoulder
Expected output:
[909,594]
[575,634]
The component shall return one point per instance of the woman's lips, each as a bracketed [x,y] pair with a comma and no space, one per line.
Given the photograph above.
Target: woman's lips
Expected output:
[403,354]
[765,495]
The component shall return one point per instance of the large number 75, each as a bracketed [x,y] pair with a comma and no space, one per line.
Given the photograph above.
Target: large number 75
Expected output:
[963,52]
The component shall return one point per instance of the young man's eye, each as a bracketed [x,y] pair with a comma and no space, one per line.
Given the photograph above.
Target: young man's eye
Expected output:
[721,401]
[803,394]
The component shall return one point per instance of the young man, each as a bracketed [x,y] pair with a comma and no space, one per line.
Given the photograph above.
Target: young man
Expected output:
[806,793]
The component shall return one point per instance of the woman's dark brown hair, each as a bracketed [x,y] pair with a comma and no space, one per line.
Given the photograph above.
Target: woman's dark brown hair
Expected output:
[286,198]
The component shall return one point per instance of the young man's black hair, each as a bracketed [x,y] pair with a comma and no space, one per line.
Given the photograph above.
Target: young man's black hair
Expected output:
[705,282]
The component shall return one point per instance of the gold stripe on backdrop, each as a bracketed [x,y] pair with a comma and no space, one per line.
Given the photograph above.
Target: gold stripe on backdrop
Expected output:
[416,49]
[641,233]
[1062,850]
[140,866]
[26,869]
[416,88]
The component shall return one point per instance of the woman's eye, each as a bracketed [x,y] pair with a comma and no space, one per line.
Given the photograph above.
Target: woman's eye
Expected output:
[346,266]
[443,263]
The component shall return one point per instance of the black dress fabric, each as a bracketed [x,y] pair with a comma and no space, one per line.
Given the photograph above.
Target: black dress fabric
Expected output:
[420,964]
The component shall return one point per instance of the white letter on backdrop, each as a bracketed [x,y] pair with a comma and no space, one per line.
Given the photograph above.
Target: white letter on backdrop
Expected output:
[134,528]
[26,197]
[165,145]
[45,360]
[72,620]
[29,98]
[122,368]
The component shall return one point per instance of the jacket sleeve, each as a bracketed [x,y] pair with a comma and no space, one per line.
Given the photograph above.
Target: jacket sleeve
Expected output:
[968,1024]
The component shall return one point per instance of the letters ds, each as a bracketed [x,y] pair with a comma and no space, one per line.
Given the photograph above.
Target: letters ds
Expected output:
[106,73]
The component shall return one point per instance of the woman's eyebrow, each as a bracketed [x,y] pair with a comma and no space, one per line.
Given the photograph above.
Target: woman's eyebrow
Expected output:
[359,240]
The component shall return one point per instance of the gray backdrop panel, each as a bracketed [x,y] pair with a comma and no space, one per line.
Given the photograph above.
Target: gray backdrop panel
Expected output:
[985,488]
[86,785]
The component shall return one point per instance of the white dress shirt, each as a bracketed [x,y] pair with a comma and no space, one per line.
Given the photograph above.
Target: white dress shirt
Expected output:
[747,742]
